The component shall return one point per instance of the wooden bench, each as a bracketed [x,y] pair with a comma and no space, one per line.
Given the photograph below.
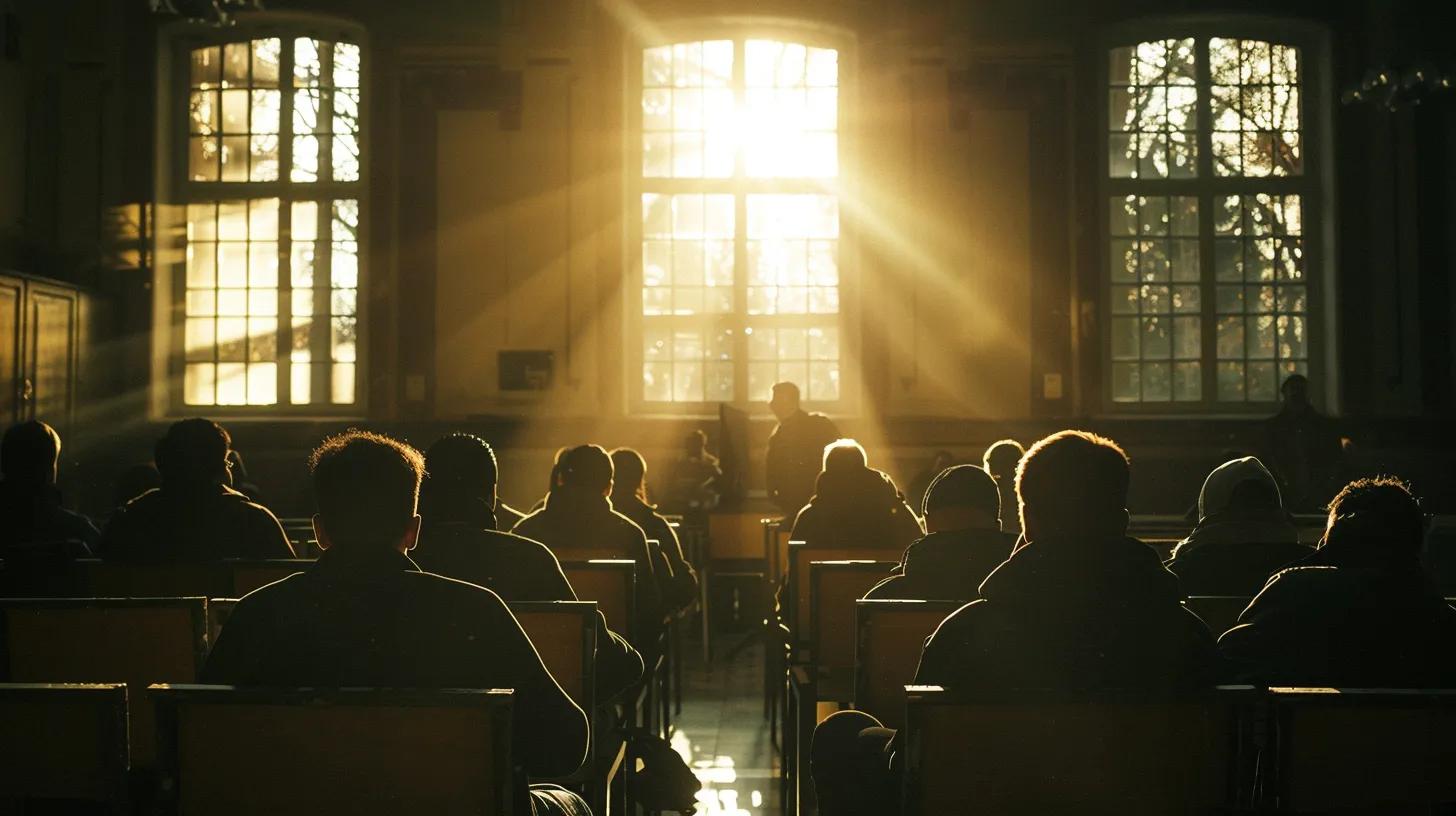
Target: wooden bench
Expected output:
[63,742]
[890,638]
[796,607]
[1031,753]
[137,641]
[304,752]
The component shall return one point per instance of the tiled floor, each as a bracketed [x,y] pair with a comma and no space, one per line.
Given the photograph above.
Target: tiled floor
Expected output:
[725,737]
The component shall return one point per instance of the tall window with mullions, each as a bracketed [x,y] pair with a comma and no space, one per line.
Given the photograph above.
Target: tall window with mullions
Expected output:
[1208,268]
[271,182]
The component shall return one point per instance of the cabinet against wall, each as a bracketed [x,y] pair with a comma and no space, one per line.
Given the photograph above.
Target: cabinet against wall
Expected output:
[39,342]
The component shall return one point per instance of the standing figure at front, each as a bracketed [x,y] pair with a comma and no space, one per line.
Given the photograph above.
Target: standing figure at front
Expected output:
[795,449]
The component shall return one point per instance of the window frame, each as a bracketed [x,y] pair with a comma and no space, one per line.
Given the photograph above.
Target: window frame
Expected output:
[177,191]
[1313,186]
[636,184]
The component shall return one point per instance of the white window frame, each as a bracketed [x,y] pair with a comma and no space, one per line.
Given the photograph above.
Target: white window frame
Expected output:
[1314,187]
[176,190]
[850,360]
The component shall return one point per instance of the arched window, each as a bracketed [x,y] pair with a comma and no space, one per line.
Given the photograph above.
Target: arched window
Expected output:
[740,227]
[266,295]
[1212,205]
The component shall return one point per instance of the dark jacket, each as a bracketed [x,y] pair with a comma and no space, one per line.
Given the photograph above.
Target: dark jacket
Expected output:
[208,523]
[683,586]
[795,457]
[519,569]
[1084,615]
[856,508]
[1238,542]
[1363,626]
[373,619]
[573,520]
[31,514]
[945,566]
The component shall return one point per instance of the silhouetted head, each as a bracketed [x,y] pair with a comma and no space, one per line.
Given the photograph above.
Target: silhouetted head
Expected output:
[368,487]
[963,497]
[1073,484]
[1239,486]
[1295,391]
[1374,521]
[460,475]
[1001,458]
[29,453]
[586,468]
[193,453]
[785,400]
[629,473]
[695,443]
[844,455]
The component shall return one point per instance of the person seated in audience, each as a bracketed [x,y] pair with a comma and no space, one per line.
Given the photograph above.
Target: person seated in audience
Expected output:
[1360,612]
[693,482]
[195,515]
[30,503]
[855,505]
[1243,534]
[795,449]
[578,516]
[460,539]
[962,512]
[1078,606]
[365,615]
[629,497]
[1000,461]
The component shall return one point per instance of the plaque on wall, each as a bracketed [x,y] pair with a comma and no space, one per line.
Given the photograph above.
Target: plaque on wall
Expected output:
[526,370]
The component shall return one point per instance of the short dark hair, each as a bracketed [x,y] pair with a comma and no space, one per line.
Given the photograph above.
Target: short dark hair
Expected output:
[628,469]
[1001,457]
[963,486]
[29,452]
[462,459]
[789,388]
[1378,512]
[367,486]
[587,467]
[193,449]
[1071,477]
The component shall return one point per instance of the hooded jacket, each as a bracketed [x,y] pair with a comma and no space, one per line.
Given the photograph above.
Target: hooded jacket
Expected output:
[1337,619]
[945,566]
[856,507]
[1237,545]
[1074,615]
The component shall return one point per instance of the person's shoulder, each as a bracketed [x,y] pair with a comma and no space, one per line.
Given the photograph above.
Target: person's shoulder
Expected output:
[281,593]
[453,590]
[519,546]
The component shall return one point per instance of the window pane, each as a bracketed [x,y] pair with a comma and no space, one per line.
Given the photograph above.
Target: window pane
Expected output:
[1153,110]
[1255,103]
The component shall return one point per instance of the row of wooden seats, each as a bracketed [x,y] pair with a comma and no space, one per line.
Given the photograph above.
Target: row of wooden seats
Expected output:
[1235,749]
[362,751]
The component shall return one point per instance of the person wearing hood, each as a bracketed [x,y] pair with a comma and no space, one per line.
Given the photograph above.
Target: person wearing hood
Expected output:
[855,505]
[1361,612]
[1243,534]
[460,540]
[965,542]
[1078,606]
[578,514]
[30,504]
[629,497]
[195,515]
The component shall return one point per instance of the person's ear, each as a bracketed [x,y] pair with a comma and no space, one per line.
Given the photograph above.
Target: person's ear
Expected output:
[320,535]
[411,537]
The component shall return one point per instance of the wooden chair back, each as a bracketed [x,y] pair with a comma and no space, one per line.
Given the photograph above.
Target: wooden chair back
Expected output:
[797,587]
[612,584]
[137,641]
[1044,753]
[834,587]
[302,752]
[1363,750]
[63,741]
[736,537]
[1219,612]
[565,635]
[891,635]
